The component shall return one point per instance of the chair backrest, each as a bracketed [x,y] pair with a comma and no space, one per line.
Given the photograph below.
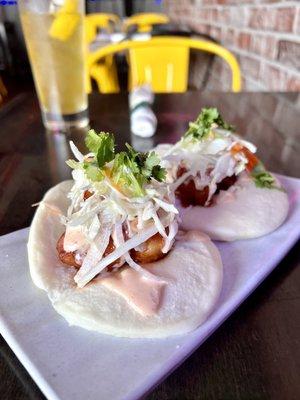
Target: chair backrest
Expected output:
[145,21]
[107,73]
[99,20]
[164,61]
[165,68]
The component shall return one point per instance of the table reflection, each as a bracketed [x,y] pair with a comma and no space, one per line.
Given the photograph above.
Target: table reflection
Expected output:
[58,150]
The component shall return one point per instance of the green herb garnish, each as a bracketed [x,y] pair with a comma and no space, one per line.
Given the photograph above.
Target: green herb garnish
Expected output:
[263,178]
[130,170]
[148,164]
[201,128]
[93,172]
[102,144]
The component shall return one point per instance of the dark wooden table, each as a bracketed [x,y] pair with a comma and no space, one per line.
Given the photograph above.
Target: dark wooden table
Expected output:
[255,353]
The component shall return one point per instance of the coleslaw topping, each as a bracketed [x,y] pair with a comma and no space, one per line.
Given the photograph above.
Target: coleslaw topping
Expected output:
[210,151]
[120,197]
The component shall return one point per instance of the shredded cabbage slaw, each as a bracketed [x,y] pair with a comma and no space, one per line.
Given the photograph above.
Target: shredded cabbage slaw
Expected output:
[207,161]
[107,213]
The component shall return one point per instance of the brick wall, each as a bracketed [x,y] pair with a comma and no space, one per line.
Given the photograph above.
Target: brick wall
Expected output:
[263,34]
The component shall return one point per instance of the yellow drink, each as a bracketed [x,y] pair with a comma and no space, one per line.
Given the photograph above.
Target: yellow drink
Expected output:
[57,64]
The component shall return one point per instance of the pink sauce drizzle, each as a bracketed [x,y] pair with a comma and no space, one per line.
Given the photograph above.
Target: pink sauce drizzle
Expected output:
[142,294]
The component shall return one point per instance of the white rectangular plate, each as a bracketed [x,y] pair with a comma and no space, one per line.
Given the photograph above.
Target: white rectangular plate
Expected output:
[71,363]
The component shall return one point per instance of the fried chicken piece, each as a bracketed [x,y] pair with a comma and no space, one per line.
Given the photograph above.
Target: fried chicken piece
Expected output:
[66,257]
[226,183]
[151,250]
[253,161]
[87,194]
[187,192]
[189,195]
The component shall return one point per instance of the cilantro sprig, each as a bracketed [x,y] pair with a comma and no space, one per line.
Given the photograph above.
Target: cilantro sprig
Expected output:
[103,147]
[132,170]
[201,128]
[129,170]
[102,144]
[148,164]
[264,180]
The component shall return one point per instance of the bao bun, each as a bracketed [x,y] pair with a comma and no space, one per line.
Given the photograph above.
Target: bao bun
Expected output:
[193,270]
[244,211]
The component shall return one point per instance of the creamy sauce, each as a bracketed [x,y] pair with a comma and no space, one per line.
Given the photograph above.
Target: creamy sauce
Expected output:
[192,236]
[141,293]
[74,238]
[227,196]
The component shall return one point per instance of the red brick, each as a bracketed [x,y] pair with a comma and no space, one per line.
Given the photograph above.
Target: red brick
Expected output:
[264,45]
[200,27]
[223,16]
[239,16]
[229,37]
[293,84]
[273,78]
[244,83]
[215,33]
[214,84]
[206,13]
[243,40]
[233,18]
[198,69]
[269,47]
[238,2]
[201,13]
[256,44]
[207,30]
[214,14]
[297,22]
[263,18]
[217,67]
[221,72]
[209,2]
[226,74]
[250,66]
[289,53]
[285,19]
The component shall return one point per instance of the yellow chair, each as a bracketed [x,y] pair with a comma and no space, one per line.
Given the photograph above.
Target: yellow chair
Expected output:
[145,21]
[102,21]
[163,62]
[105,72]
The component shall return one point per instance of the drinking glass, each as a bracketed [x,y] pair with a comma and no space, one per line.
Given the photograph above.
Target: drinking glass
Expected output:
[54,36]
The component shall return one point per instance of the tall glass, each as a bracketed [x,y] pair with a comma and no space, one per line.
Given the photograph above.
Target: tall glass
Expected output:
[54,35]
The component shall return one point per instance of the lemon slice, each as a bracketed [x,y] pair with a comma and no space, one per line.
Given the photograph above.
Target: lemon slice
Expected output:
[65,21]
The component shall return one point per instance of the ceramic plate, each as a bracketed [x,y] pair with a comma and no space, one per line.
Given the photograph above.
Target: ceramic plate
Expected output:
[71,363]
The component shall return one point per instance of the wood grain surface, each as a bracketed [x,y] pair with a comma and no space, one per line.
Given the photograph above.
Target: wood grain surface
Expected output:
[255,353]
